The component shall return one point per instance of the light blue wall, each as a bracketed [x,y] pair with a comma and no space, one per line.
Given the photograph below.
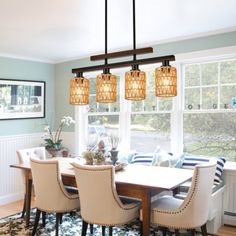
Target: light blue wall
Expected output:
[197,44]
[58,76]
[28,70]
[63,70]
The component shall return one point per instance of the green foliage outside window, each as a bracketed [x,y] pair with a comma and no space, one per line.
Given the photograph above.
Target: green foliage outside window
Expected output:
[209,120]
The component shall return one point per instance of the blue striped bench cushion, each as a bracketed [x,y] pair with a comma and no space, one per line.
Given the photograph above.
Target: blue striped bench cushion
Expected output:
[191,160]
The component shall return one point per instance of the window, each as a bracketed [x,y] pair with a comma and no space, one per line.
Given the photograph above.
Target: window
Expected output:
[150,118]
[200,120]
[103,119]
[209,119]
[148,131]
[100,127]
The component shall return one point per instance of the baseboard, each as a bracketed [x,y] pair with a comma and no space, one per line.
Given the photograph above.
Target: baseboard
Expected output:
[229,219]
[11,198]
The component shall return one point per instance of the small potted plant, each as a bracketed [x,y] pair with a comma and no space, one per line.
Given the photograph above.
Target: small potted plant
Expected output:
[89,156]
[100,157]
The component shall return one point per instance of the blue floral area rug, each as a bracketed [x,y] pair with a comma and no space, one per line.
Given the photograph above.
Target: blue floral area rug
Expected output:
[71,226]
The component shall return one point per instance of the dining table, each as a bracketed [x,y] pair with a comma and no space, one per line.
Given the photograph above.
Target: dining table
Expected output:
[134,180]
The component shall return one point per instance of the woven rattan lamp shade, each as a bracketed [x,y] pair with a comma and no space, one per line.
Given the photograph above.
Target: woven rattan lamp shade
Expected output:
[135,85]
[106,88]
[166,81]
[79,91]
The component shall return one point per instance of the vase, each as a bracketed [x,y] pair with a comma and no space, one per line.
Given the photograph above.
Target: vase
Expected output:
[89,161]
[65,153]
[114,156]
[54,152]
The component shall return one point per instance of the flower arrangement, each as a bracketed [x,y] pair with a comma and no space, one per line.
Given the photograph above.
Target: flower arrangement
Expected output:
[54,141]
[96,156]
[100,157]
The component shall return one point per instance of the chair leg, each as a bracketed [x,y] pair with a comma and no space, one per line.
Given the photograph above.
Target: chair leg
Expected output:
[110,230]
[164,229]
[141,227]
[38,212]
[84,228]
[61,218]
[58,219]
[103,230]
[91,228]
[177,232]
[204,230]
[44,218]
[23,211]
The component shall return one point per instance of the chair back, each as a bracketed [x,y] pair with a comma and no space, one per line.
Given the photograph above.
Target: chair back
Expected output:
[24,155]
[99,201]
[49,190]
[196,204]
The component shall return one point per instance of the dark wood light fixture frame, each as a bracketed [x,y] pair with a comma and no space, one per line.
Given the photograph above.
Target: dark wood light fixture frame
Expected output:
[144,61]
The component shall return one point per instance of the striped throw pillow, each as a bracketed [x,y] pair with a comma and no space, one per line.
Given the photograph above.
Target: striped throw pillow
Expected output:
[145,159]
[191,160]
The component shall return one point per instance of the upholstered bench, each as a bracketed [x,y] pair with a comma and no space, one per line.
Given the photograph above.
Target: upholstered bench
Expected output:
[188,161]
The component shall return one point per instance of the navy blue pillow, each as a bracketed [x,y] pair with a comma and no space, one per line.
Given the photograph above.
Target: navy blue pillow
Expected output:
[191,160]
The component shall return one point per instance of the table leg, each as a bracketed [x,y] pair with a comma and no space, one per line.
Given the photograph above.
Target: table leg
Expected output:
[146,209]
[144,194]
[28,190]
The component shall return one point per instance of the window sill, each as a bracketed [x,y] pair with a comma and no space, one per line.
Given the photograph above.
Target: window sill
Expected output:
[230,166]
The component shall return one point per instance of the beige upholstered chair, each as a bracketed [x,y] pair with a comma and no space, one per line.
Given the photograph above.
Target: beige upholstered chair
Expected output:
[170,212]
[24,157]
[50,193]
[99,201]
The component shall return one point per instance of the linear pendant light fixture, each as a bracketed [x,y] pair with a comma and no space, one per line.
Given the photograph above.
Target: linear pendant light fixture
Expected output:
[135,80]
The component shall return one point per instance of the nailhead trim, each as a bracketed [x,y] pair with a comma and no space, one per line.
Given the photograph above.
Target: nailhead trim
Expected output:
[193,189]
[40,162]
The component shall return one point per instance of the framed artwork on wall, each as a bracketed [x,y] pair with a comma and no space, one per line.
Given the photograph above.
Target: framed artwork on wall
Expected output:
[22,99]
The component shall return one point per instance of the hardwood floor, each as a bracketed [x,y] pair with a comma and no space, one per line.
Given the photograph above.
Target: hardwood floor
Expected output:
[12,208]
[227,231]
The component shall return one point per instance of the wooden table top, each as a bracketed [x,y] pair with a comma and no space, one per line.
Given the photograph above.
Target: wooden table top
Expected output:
[153,176]
[141,175]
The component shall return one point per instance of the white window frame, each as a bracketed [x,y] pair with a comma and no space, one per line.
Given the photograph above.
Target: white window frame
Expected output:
[81,113]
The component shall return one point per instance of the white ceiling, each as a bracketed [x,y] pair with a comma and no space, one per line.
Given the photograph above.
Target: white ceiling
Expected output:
[61,30]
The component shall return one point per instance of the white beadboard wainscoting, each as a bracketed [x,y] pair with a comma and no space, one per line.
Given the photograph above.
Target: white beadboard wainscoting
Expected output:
[229,209]
[11,184]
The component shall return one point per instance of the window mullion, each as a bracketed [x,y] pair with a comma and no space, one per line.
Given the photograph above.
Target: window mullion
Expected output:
[218,97]
[177,115]
[125,118]
[81,124]
[200,75]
